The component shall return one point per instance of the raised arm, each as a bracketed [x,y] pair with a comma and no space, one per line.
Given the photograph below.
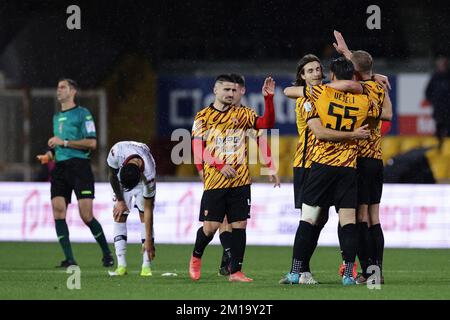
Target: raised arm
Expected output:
[267,121]
[341,46]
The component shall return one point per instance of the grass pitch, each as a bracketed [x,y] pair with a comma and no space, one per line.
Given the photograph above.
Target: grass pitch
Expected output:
[27,272]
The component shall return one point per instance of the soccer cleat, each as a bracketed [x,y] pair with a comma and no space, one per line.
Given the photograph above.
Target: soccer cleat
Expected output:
[342,270]
[239,277]
[307,278]
[108,260]
[290,278]
[146,272]
[120,271]
[67,263]
[195,267]
[360,279]
[224,271]
[363,280]
[348,281]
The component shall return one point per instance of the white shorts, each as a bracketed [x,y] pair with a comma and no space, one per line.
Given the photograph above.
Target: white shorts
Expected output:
[135,198]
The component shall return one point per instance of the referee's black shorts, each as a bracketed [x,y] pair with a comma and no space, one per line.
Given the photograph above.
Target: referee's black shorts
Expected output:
[328,186]
[73,174]
[300,177]
[235,203]
[370,180]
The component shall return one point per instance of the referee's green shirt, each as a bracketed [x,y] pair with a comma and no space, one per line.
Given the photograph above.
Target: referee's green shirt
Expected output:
[73,124]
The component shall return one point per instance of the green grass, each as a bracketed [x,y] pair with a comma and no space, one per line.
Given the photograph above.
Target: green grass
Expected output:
[27,272]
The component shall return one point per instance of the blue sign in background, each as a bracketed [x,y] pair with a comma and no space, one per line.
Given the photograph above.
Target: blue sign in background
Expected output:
[181,97]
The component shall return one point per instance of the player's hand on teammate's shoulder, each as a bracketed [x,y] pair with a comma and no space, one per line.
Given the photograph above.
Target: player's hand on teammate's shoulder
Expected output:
[268,87]
[382,80]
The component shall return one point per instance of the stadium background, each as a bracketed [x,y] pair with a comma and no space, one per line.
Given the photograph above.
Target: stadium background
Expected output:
[145,68]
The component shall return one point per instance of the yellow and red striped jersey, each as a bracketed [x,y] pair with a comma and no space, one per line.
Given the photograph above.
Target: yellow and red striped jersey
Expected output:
[225,134]
[371,147]
[340,111]
[306,138]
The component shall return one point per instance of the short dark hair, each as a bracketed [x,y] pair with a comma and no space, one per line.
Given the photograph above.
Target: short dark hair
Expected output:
[72,83]
[342,68]
[238,78]
[130,175]
[363,61]
[224,78]
[299,81]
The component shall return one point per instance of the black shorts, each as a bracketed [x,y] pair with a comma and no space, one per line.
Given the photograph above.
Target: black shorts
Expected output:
[331,186]
[370,180]
[232,202]
[300,177]
[73,174]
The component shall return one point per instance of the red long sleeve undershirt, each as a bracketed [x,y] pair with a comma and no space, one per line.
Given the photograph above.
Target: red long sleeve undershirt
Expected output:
[385,127]
[267,121]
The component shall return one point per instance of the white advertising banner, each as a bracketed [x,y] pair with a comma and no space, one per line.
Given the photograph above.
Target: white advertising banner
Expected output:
[411,215]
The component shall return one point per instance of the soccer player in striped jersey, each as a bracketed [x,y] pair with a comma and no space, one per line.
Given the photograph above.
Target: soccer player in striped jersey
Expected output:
[369,165]
[332,178]
[218,139]
[309,72]
[225,229]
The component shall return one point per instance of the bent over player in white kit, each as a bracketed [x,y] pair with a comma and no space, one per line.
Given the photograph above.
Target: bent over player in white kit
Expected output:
[132,178]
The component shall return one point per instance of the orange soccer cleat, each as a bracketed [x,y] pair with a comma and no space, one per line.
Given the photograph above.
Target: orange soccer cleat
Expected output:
[342,270]
[195,267]
[239,277]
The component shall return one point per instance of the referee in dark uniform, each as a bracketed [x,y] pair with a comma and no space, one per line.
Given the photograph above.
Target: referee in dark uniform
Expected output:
[74,137]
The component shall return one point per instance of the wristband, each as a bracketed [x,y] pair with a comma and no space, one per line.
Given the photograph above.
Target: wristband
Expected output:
[66,142]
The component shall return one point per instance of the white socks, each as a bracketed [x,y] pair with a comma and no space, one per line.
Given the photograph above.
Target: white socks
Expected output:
[120,242]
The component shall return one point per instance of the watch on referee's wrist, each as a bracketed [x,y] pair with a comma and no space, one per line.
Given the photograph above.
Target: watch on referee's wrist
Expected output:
[66,143]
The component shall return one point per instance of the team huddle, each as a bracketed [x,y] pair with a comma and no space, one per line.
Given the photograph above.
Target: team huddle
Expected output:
[337,163]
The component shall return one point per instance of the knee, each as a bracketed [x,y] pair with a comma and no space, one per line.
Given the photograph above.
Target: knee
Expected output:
[59,212]
[239,224]
[362,214]
[209,230]
[362,218]
[374,219]
[86,220]
[311,214]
